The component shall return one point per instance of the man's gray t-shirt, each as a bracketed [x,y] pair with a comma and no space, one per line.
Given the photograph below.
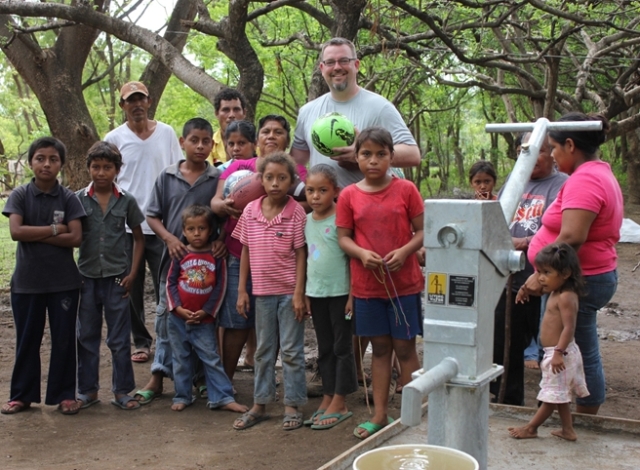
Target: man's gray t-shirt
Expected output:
[364,110]
[527,220]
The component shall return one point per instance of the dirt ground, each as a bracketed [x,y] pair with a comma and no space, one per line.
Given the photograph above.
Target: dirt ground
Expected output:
[105,437]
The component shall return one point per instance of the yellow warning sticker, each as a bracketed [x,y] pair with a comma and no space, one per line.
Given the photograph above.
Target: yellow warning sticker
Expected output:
[436,288]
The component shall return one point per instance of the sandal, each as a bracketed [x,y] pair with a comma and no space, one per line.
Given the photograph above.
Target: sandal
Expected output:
[14,406]
[370,427]
[86,400]
[147,396]
[311,421]
[123,401]
[69,407]
[294,419]
[202,391]
[140,355]
[248,420]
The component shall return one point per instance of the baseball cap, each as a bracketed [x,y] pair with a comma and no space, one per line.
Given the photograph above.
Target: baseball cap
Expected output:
[130,88]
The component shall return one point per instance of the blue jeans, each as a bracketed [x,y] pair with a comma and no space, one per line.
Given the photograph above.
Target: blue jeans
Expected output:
[98,295]
[600,289]
[201,340]
[275,318]
[228,317]
[162,360]
[153,250]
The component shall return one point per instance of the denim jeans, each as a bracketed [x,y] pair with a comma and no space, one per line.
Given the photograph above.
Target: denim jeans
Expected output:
[275,318]
[201,340]
[162,360]
[600,289]
[228,317]
[153,249]
[98,295]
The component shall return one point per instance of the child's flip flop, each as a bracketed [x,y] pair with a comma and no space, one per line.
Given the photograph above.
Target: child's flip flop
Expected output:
[248,420]
[123,401]
[147,396]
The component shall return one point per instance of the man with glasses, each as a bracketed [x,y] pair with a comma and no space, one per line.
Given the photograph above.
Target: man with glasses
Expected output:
[339,66]
[147,148]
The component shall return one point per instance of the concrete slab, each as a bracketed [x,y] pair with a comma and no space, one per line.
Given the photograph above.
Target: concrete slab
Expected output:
[603,443]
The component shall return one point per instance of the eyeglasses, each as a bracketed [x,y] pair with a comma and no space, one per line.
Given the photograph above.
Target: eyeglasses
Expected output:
[343,62]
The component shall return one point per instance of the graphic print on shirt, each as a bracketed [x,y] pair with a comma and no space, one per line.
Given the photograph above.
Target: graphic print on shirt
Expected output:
[314,250]
[529,212]
[198,276]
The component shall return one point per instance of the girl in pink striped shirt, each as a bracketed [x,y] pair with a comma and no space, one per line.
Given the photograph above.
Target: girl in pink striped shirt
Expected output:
[271,230]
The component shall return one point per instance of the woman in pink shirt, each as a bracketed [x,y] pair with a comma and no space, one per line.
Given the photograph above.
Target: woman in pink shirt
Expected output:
[587,215]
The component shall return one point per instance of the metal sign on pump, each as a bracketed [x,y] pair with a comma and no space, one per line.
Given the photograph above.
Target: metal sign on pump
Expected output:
[468,259]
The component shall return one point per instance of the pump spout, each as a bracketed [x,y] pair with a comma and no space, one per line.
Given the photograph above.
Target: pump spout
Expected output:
[414,391]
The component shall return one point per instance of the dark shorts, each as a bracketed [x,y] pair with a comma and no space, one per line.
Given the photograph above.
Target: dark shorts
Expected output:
[400,318]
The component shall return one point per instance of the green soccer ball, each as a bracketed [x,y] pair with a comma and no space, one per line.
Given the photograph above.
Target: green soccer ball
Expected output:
[330,131]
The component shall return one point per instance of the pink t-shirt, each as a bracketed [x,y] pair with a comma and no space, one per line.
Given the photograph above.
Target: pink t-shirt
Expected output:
[272,244]
[381,222]
[234,246]
[594,188]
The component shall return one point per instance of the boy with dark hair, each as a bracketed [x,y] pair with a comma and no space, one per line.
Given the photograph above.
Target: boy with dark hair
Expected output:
[195,287]
[190,181]
[44,218]
[106,279]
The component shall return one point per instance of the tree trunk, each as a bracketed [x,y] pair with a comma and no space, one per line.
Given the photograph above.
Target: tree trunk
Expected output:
[345,25]
[633,166]
[156,74]
[55,76]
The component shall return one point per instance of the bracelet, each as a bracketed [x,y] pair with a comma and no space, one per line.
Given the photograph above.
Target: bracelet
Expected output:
[54,229]
[561,351]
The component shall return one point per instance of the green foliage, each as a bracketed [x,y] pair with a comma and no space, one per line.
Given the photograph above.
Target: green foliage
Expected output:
[7,251]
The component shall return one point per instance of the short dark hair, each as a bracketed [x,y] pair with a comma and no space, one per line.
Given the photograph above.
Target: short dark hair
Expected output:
[378,135]
[198,210]
[338,42]
[562,257]
[281,158]
[587,141]
[196,123]
[325,170]
[228,94]
[102,150]
[247,129]
[45,142]
[483,166]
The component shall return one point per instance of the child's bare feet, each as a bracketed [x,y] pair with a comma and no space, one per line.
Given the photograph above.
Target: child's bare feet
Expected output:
[568,435]
[178,406]
[524,432]
[531,364]
[235,407]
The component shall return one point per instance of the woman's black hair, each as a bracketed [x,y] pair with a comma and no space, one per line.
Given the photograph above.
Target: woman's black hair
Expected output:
[562,257]
[587,141]
[280,120]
